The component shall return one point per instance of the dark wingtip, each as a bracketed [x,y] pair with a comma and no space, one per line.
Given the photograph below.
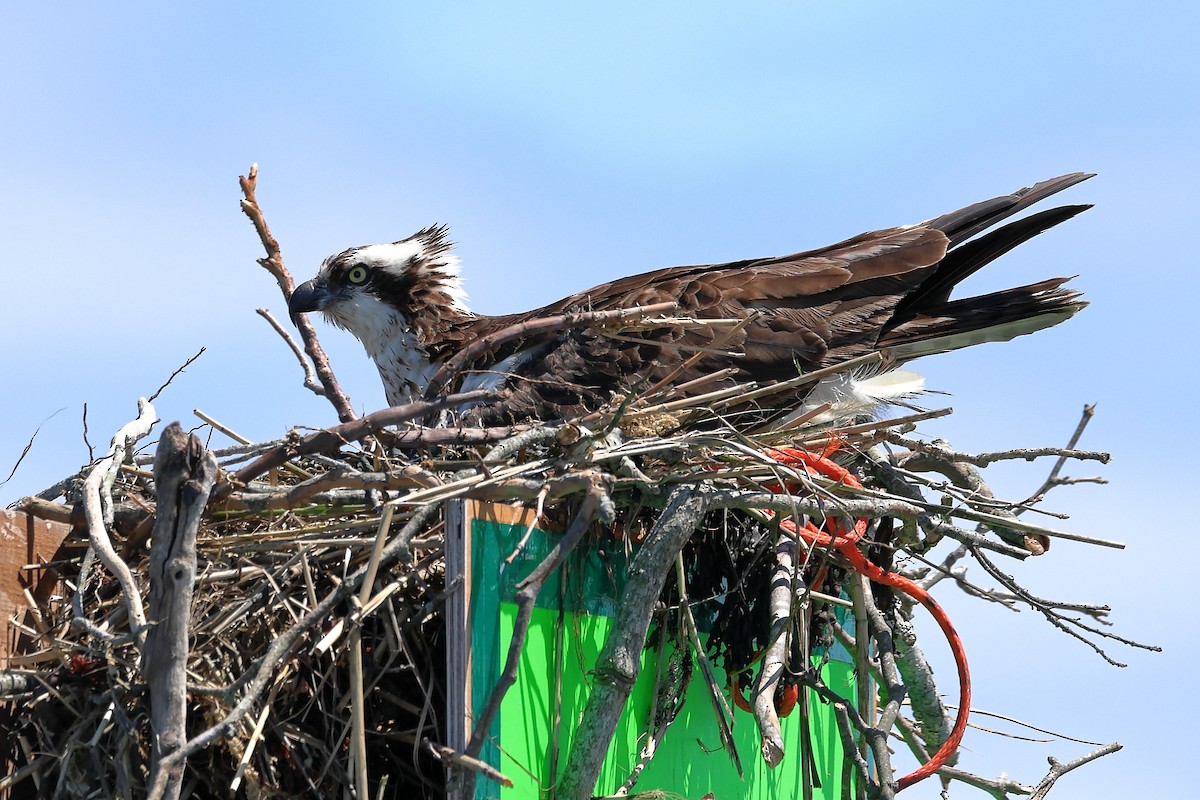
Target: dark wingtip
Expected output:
[1042,189]
[964,223]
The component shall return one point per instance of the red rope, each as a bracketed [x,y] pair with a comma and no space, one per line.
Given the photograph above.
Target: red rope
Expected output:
[846,543]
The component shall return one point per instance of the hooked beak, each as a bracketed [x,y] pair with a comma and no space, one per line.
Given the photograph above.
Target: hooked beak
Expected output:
[309,296]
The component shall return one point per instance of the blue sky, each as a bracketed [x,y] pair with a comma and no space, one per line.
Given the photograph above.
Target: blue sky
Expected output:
[568,145]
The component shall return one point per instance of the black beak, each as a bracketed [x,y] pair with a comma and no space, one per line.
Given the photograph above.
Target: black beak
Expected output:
[308,296]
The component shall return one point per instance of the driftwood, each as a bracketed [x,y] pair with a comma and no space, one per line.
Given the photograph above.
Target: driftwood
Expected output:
[184,473]
[98,508]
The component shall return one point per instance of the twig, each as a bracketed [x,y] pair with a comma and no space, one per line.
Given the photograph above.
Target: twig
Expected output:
[807,378]
[310,378]
[1052,479]
[91,450]
[1048,610]
[984,459]
[593,506]
[1057,769]
[273,264]
[618,664]
[451,758]
[237,437]
[695,359]
[358,741]
[29,444]
[328,440]
[186,364]
[847,508]
[721,709]
[255,735]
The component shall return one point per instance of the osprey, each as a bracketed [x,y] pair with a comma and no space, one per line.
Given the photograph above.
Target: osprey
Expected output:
[887,290]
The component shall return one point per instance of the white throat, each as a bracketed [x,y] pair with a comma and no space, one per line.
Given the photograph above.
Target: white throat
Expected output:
[390,341]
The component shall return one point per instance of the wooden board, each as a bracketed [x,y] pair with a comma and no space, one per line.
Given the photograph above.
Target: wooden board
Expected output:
[24,540]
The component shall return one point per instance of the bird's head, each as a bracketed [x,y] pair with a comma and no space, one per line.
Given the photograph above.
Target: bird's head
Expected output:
[369,289]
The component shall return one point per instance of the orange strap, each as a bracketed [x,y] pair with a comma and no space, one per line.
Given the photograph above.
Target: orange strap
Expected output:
[845,541]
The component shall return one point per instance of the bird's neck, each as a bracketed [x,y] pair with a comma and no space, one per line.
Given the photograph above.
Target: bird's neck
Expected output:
[404,363]
[407,345]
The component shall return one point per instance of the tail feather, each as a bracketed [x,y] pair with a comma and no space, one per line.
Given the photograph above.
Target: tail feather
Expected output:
[995,317]
[967,259]
[927,321]
[966,222]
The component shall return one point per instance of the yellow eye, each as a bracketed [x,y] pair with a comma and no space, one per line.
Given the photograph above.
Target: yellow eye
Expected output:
[357,275]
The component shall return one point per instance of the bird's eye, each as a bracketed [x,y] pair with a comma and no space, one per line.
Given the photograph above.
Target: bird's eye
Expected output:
[357,275]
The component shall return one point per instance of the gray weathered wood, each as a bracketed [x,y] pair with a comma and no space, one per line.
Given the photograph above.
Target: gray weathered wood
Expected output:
[184,473]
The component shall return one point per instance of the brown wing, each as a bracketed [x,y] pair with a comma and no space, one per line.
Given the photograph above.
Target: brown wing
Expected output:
[815,308]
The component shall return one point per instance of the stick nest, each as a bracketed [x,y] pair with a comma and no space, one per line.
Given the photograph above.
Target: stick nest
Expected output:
[282,556]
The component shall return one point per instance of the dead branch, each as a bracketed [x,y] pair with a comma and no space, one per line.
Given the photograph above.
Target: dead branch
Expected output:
[775,656]
[98,508]
[451,758]
[184,474]
[1068,625]
[1052,479]
[273,264]
[329,440]
[1057,769]
[939,448]
[721,709]
[310,377]
[167,382]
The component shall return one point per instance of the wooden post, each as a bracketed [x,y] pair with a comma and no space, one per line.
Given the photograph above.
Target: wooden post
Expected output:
[184,473]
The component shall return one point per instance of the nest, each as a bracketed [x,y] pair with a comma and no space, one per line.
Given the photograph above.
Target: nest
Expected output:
[287,647]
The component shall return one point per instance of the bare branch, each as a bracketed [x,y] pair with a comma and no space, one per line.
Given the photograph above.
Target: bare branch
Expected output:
[98,509]
[618,665]
[273,264]
[1057,769]
[310,378]
[184,474]
[775,656]
[1052,479]
[328,440]
[593,506]
[185,365]
[29,444]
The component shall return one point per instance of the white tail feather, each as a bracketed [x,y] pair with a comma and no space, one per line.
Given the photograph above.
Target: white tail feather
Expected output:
[894,385]
[852,395]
